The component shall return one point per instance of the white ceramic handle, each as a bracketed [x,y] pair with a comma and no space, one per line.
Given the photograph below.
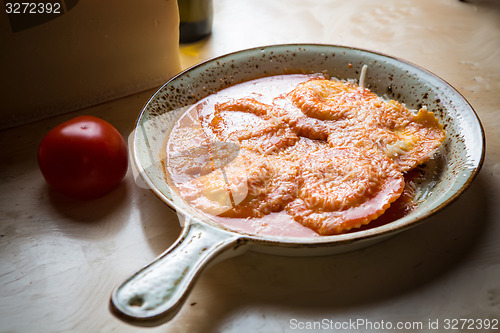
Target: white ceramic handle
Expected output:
[155,294]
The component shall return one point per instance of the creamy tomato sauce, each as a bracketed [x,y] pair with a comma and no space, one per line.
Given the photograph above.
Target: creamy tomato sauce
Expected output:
[299,155]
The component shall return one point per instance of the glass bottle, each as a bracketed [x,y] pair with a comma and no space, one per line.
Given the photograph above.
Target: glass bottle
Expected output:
[195,20]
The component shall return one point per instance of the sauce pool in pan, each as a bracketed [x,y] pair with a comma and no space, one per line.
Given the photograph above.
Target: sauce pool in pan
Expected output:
[300,155]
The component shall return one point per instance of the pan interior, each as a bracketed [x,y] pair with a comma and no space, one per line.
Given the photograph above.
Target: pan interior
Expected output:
[448,174]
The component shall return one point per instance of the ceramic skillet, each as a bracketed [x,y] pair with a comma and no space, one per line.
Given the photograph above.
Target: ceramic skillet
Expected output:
[155,293]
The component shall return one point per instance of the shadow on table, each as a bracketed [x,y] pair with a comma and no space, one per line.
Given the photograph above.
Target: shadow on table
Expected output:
[487,4]
[402,264]
[91,219]
[160,224]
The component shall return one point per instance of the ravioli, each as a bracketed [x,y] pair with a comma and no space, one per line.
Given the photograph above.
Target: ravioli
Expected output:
[344,188]
[330,99]
[252,185]
[251,124]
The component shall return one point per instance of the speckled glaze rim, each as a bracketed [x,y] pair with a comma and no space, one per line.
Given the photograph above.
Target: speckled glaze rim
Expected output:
[390,228]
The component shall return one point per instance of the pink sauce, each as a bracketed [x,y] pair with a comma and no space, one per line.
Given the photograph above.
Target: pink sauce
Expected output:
[188,134]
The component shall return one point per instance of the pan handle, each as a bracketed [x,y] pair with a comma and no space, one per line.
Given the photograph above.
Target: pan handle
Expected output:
[156,293]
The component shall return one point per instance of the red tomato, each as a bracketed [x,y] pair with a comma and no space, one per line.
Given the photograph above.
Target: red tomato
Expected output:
[84,158]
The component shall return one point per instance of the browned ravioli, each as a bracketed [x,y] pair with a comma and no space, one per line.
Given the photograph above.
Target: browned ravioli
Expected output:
[352,116]
[252,125]
[344,188]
